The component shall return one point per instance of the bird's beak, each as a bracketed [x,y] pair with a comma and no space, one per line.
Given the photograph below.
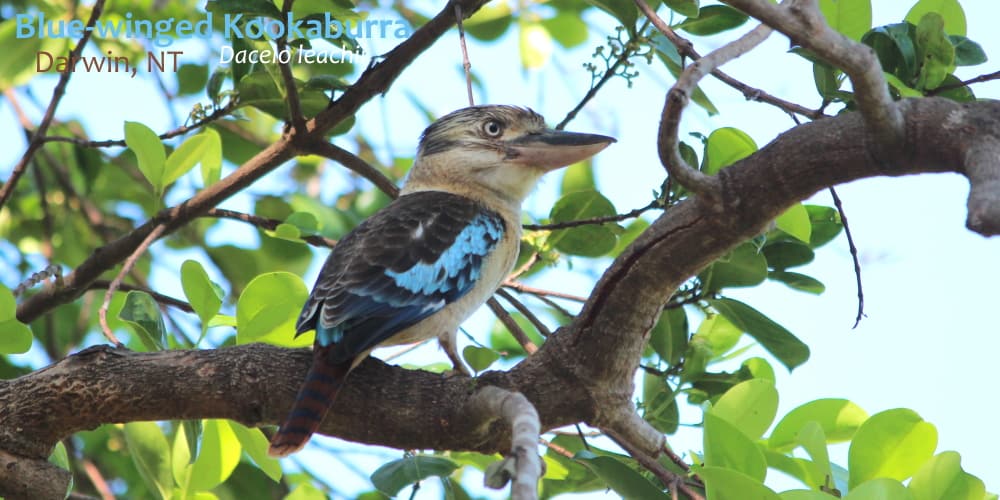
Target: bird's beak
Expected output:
[551,149]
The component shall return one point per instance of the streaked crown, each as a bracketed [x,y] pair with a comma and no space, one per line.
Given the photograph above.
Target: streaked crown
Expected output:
[478,126]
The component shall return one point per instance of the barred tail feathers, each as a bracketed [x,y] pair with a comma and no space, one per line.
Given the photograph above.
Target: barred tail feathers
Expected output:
[314,400]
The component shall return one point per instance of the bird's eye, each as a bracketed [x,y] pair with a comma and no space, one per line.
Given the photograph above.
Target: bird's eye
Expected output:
[493,128]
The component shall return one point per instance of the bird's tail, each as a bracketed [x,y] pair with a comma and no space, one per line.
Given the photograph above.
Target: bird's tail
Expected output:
[315,398]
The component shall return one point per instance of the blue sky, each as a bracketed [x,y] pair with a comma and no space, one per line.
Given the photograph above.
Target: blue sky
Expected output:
[928,342]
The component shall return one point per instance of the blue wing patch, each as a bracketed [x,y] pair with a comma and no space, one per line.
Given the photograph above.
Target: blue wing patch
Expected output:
[408,261]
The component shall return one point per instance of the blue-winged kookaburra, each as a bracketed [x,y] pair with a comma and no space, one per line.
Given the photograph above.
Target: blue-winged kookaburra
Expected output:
[420,266]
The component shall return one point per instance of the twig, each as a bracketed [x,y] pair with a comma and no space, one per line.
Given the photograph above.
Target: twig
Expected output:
[126,267]
[527,312]
[512,326]
[466,64]
[803,22]
[96,479]
[678,97]
[528,263]
[676,459]
[979,79]
[669,478]
[291,93]
[181,130]
[556,448]
[854,255]
[541,292]
[157,296]
[353,163]
[609,73]
[60,89]
[268,224]
[593,220]
[686,49]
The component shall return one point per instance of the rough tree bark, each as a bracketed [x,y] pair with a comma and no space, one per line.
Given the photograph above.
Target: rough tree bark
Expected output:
[583,373]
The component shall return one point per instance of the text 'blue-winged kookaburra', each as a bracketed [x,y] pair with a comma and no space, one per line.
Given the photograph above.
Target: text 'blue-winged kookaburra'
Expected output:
[420,266]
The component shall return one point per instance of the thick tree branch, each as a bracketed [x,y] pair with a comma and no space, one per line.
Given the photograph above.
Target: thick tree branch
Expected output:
[582,373]
[804,24]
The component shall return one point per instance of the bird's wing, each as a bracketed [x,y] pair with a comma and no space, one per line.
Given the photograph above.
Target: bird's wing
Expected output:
[406,262]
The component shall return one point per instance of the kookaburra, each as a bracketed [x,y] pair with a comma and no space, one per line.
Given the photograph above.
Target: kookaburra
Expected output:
[420,266]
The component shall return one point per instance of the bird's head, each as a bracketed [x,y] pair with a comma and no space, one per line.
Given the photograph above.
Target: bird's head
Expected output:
[498,150]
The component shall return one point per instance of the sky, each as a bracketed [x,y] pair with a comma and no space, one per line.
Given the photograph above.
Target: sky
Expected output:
[927,343]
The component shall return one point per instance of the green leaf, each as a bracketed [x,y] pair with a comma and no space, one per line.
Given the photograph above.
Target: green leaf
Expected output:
[220,452]
[795,222]
[268,309]
[205,297]
[60,458]
[306,491]
[536,45]
[772,336]
[590,240]
[567,29]
[950,10]
[670,58]
[894,46]
[749,406]
[392,477]
[149,450]
[851,18]
[813,440]
[891,444]
[211,159]
[784,254]
[578,177]
[719,334]
[490,22]
[479,358]
[670,335]
[825,223]
[659,403]
[827,80]
[942,478]
[20,56]
[903,89]
[713,19]
[726,146]
[805,495]
[255,444]
[839,419]
[798,281]
[935,52]
[743,266]
[149,153]
[15,337]
[250,8]
[687,8]
[727,484]
[804,470]
[143,313]
[623,10]
[727,446]
[214,86]
[191,78]
[967,52]
[879,489]
[260,90]
[621,478]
